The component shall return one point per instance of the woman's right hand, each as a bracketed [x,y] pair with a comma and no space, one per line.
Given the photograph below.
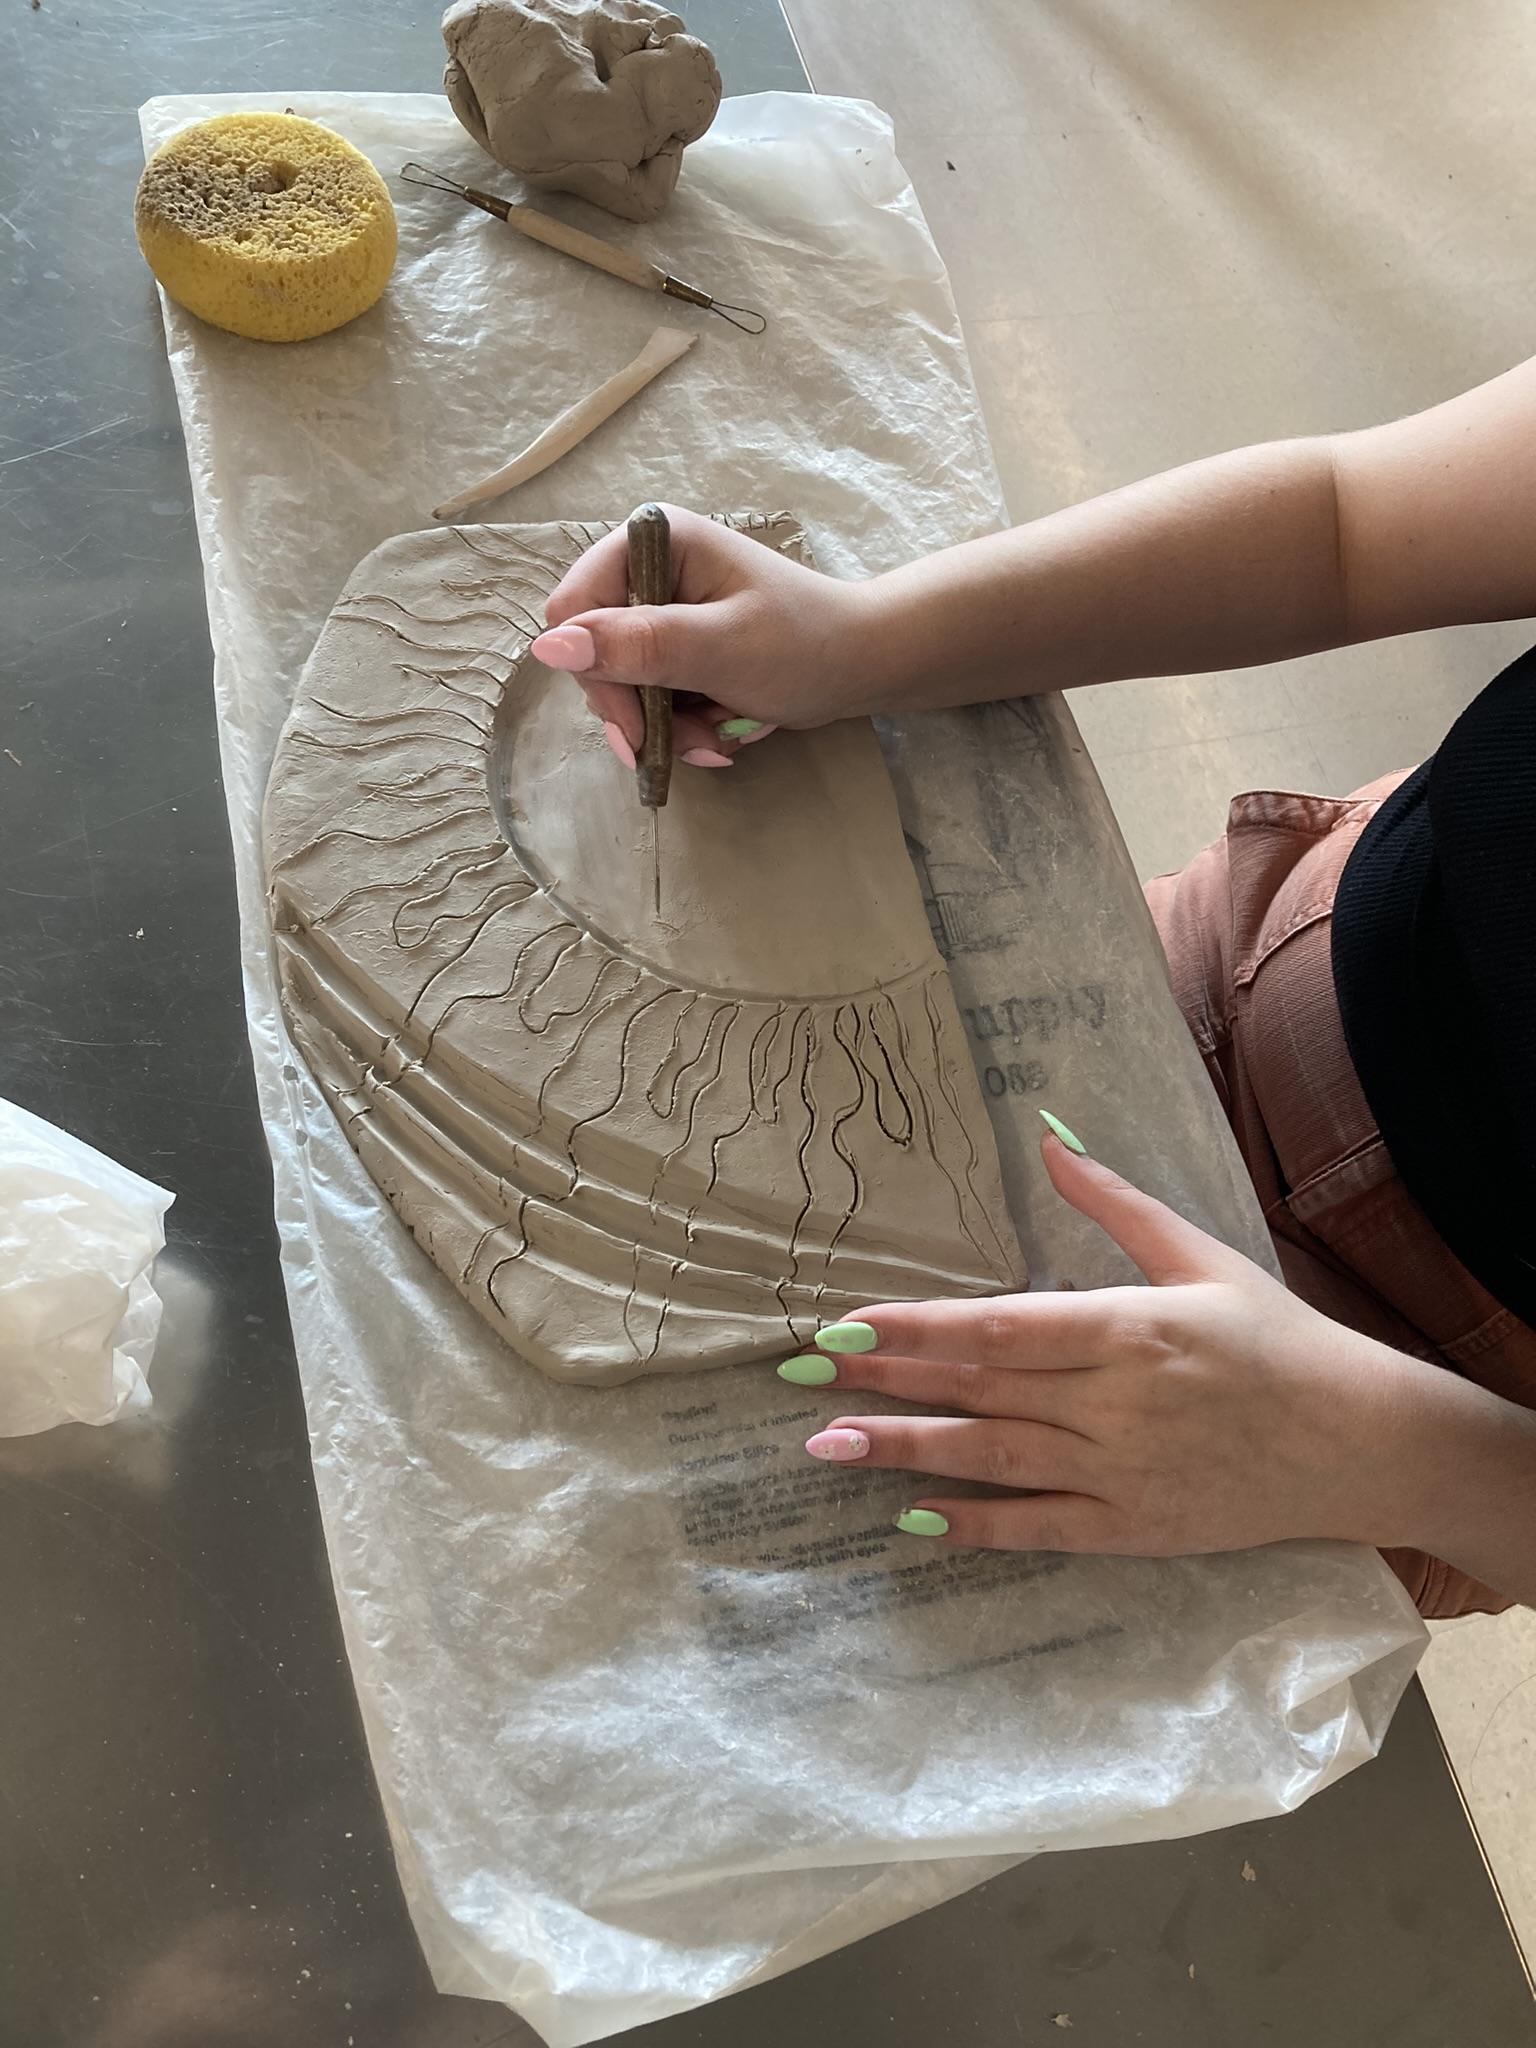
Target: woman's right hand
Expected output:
[749,635]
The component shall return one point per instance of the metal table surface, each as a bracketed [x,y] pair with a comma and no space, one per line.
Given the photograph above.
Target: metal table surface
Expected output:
[191,1849]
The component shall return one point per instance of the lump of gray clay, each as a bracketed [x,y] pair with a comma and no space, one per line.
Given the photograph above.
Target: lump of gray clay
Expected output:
[595,97]
[634,1144]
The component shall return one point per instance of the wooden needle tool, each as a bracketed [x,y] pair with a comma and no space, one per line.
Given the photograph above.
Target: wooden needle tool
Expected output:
[650,582]
[592,249]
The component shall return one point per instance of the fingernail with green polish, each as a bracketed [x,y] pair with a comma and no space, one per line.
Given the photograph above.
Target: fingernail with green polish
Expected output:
[921,1522]
[846,1337]
[1072,1143]
[808,1371]
[738,728]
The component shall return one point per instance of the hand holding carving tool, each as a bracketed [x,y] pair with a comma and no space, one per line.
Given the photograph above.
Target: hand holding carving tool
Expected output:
[650,582]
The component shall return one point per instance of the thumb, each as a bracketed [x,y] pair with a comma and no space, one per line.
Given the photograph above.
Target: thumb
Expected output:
[643,645]
[1165,1248]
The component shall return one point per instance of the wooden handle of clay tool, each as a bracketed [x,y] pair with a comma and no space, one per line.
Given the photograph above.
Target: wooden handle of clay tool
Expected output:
[650,582]
[556,234]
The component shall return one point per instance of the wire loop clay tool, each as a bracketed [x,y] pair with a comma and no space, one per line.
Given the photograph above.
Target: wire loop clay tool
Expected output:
[557,234]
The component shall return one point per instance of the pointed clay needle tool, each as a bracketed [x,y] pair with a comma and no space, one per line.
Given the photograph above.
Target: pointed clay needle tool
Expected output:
[650,582]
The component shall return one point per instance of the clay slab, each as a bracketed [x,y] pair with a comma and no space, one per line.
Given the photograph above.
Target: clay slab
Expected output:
[634,1144]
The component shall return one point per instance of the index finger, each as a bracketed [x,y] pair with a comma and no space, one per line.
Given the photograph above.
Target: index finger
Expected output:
[599,580]
[1039,1332]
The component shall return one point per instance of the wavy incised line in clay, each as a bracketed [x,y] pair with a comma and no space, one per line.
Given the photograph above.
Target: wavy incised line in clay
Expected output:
[580,537]
[461,780]
[674,1267]
[332,833]
[789,1065]
[772,1025]
[348,607]
[846,1116]
[520,1224]
[725,1016]
[578,938]
[599,961]
[515,890]
[455,959]
[730,1012]
[494,590]
[586,1122]
[769,1025]
[300,738]
[455,647]
[437,679]
[479,1245]
[507,553]
[573,1050]
[904,1133]
[484,995]
[387,884]
[481,732]
[523,625]
[666,1071]
[493,854]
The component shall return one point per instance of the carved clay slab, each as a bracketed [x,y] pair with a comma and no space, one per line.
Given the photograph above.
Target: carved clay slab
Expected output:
[634,1144]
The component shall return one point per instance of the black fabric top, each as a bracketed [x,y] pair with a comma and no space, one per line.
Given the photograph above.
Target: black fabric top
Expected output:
[1434,962]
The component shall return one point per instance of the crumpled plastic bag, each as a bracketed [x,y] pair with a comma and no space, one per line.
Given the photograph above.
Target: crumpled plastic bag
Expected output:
[78,1310]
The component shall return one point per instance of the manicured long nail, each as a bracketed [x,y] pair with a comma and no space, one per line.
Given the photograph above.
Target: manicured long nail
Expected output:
[807,1371]
[706,757]
[846,1337]
[921,1522]
[838,1446]
[569,647]
[619,744]
[1055,1125]
[738,728]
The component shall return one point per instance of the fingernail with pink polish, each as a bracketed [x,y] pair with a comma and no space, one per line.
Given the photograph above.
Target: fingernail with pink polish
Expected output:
[706,757]
[568,647]
[839,1446]
[619,744]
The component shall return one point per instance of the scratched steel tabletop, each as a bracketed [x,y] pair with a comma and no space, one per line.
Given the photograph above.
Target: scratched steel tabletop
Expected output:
[191,1849]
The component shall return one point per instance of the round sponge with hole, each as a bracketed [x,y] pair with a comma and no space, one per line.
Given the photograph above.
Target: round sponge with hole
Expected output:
[267,225]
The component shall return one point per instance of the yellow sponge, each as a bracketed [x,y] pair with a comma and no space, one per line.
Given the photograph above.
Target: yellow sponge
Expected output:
[266,225]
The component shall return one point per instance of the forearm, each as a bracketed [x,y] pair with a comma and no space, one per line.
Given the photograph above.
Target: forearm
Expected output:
[1465,1484]
[1228,563]
[1246,558]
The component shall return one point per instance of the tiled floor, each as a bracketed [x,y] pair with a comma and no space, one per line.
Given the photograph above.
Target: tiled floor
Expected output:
[1173,230]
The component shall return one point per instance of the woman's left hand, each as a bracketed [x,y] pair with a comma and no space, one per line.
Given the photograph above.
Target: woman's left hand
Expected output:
[1208,1411]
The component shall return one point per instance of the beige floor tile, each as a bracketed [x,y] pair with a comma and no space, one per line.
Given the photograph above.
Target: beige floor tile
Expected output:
[1058,392]
[1480,1676]
[1173,800]
[993,193]
[1151,715]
